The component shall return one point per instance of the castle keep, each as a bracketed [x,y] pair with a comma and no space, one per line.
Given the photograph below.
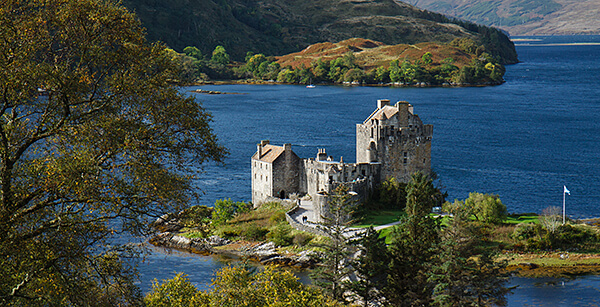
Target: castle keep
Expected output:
[391,142]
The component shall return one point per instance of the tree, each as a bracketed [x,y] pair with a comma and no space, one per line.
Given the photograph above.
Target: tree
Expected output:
[176,292]
[370,268]
[220,56]
[238,286]
[487,208]
[463,273]
[551,218]
[225,209]
[109,146]
[336,251]
[413,246]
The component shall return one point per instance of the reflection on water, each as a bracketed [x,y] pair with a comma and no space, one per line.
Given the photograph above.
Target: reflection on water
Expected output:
[581,291]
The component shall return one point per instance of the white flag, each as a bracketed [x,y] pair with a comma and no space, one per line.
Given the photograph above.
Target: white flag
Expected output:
[566,190]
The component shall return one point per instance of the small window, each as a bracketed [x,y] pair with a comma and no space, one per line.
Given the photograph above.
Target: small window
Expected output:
[405,160]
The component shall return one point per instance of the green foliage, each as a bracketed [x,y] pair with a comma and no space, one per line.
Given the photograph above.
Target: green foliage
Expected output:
[464,274]
[427,58]
[302,239]
[565,237]
[277,217]
[220,56]
[254,232]
[413,245]
[525,231]
[370,267]
[196,216]
[281,234]
[112,145]
[225,209]
[486,208]
[336,250]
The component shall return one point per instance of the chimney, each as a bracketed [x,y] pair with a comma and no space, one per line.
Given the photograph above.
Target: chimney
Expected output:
[321,155]
[382,103]
[260,146]
[287,147]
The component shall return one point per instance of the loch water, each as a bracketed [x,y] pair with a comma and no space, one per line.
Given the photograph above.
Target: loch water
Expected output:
[522,140]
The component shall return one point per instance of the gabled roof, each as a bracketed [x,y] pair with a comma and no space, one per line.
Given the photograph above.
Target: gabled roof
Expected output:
[270,153]
[384,113]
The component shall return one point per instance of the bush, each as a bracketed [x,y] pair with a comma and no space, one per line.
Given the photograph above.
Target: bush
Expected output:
[565,237]
[302,239]
[277,218]
[196,216]
[280,235]
[254,232]
[526,231]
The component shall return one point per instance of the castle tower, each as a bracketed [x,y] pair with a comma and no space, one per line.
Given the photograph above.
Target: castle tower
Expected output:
[275,172]
[395,138]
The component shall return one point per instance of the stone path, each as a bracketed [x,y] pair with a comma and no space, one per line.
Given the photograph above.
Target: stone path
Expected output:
[306,210]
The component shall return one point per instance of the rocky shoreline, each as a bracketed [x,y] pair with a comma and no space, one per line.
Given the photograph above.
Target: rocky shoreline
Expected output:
[265,253]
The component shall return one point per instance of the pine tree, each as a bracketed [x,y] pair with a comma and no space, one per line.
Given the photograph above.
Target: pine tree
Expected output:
[463,274]
[336,251]
[413,246]
[370,267]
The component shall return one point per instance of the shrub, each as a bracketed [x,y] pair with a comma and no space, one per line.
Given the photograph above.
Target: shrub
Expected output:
[526,231]
[277,218]
[280,235]
[196,216]
[254,232]
[301,239]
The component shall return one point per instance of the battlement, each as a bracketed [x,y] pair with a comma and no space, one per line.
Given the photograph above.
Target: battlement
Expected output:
[391,142]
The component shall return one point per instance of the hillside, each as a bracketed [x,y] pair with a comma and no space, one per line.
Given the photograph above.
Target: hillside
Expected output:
[524,17]
[279,27]
[372,54]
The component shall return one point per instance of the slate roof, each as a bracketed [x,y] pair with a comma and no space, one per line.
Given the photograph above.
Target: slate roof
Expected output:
[383,113]
[270,153]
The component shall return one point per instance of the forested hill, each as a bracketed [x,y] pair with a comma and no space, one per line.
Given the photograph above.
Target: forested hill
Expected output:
[277,27]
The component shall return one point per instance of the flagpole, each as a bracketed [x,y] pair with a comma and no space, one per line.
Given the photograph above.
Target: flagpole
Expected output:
[564,192]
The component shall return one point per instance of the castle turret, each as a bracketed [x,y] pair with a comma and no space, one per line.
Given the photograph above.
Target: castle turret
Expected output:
[396,138]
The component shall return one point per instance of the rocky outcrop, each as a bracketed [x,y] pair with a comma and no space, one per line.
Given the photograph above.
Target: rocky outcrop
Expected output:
[265,252]
[193,245]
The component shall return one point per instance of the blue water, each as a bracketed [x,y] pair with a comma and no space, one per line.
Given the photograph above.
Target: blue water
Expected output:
[522,140]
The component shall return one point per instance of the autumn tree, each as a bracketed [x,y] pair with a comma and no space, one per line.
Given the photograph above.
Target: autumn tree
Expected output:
[237,286]
[94,143]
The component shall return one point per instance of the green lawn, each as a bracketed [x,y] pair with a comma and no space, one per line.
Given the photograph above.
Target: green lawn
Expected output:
[524,218]
[377,218]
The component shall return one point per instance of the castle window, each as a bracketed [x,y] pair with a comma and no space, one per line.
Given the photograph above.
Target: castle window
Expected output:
[423,160]
[267,178]
[260,177]
[405,160]
[405,154]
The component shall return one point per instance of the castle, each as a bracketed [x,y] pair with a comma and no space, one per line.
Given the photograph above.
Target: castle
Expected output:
[391,142]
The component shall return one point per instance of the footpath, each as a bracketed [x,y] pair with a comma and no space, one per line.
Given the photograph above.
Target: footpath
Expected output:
[303,217]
